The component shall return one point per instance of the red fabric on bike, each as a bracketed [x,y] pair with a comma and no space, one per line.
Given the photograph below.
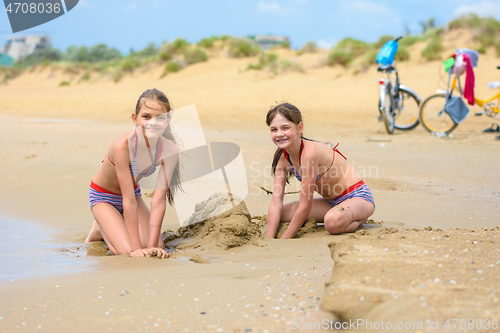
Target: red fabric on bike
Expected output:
[469,81]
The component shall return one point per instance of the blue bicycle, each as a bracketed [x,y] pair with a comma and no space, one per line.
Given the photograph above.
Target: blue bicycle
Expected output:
[393,100]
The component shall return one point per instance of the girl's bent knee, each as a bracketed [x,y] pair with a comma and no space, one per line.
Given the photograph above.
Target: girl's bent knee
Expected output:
[333,228]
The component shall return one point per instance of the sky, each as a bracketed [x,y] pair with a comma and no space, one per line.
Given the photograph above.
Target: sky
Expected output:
[133,24]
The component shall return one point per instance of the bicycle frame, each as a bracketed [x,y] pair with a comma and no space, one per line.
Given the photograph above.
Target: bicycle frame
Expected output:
[394,93]
[479,102]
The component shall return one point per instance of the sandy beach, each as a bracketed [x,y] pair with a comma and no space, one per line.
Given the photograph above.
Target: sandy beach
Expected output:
[429,254]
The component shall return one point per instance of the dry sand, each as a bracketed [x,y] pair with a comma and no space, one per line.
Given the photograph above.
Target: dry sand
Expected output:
[53,139]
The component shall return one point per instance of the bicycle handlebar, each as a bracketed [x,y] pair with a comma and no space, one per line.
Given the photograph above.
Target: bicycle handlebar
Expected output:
[397,38]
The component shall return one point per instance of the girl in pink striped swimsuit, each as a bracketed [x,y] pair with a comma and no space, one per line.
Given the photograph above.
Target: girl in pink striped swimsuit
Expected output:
[122,219]
[346,201]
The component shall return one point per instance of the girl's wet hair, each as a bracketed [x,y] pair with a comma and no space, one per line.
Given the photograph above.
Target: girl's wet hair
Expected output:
[291,113]
[161,98]
[154,95]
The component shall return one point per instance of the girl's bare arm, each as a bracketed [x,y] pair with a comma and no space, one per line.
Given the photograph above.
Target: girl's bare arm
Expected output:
[122,161]
[159,201]
[308,185]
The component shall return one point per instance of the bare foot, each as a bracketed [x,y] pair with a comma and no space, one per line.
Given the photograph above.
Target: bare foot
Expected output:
[94,234]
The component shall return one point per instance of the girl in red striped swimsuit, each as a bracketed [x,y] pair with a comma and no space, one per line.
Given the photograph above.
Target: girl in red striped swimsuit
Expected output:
[122,219]
[346,201]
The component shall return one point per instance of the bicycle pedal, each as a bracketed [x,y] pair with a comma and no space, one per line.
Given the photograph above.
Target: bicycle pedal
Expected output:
[479,113]
[380,118]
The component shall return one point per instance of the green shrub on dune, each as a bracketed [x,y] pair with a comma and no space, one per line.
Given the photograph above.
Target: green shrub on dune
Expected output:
[243,47]
[402,55]
[207,42]
[345,52]
[408,41]
[130,63]
[167,51]
[485,30]
[266,59]
[382,40]
[172,67]
[433,49]
[341,58]
[368,59]
[194,55]
[309,47]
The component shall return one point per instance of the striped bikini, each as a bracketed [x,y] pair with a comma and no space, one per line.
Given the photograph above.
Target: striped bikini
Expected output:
[358,190]
[98,194]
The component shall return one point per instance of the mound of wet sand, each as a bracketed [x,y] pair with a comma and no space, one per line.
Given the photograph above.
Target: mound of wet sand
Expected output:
[413,275]
[227,229]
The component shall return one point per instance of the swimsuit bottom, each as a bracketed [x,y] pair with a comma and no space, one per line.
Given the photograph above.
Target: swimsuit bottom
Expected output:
[358,190]
[97,195]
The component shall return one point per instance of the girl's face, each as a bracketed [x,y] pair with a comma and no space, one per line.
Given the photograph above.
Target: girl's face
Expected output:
[152,117]
[284,132]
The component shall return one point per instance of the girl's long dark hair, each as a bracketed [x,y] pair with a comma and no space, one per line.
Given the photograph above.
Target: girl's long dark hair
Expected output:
[174,184]
[291,113]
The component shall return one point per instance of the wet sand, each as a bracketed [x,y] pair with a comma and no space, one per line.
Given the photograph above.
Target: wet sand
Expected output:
[54,140]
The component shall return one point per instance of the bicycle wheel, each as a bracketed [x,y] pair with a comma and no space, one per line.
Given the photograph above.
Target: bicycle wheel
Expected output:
[387,113]
[406,113]
[433,117]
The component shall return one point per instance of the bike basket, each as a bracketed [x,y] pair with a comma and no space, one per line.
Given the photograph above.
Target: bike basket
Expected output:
[387,53]
[457,109]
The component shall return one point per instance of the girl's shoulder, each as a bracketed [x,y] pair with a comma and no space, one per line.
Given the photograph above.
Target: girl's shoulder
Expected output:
[283,162]
[120,144]
[312,149]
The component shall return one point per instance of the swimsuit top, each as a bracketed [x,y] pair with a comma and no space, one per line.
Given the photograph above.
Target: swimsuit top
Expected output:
[296,174]
[134,166]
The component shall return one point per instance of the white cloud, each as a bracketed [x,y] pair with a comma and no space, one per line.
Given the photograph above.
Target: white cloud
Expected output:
[301,1]
[483,8]
[131,7]
[326,44]
[268,7]
[367,7]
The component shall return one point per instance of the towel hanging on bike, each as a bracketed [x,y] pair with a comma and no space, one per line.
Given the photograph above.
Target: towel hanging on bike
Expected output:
[469,80]
[457,109]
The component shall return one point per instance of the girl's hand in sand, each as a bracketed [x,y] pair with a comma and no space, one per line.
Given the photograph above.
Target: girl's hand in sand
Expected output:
[158,252]
[140,253]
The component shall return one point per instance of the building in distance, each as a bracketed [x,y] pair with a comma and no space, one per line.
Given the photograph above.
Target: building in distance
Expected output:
[19,47]
[267,42]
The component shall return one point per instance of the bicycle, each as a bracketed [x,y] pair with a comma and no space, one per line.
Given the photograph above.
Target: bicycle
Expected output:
[435,117]
[392,101]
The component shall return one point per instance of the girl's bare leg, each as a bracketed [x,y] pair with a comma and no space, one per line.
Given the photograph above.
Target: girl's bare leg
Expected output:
[112,227]
[348,216]
[319,208]
[94,234]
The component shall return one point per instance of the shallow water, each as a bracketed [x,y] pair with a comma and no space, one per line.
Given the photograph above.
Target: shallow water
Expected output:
[26,251]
